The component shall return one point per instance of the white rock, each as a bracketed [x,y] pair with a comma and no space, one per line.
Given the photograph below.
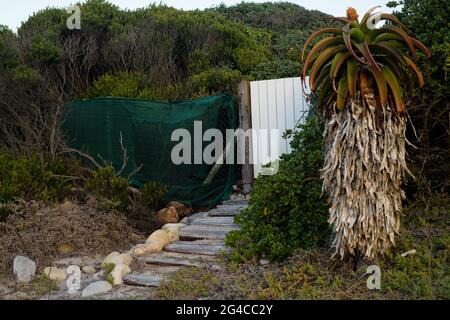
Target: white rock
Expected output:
[95,288]
[109,257]
[264,262]
[124,258]
[118,272]
[148,247]
[56,274]
[24,269]
[159,235]
[173,226]
[89,269]
[173,230]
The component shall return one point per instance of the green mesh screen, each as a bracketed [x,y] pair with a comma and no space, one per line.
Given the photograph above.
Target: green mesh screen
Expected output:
[94,126]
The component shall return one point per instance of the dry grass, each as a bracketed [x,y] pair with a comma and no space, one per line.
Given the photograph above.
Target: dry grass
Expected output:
[36,230]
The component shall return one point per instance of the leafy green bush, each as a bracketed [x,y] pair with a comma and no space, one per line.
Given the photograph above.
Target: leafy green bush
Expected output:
[279,68]
[425,274]
[29,178]
[285,210]
[213,81]
[104,183]
[128,85]
[152,195]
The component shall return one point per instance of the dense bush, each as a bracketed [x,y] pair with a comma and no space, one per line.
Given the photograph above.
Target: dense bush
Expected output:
[28,178]
[105,184]
[152,195]
[285,210]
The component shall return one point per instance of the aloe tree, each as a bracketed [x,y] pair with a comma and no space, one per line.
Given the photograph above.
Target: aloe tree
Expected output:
[362,77]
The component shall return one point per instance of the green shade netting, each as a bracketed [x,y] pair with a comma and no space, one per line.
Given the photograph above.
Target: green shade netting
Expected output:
[94,127]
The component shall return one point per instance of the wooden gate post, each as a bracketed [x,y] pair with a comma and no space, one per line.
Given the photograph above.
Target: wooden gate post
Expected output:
[245,123]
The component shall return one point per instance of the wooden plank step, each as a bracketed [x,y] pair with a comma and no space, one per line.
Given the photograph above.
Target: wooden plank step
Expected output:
[177,259]
[236,202]
[198,232]
[207,247]
[214,221]
[226,211]
[230,206]
[151,277]
[197,215]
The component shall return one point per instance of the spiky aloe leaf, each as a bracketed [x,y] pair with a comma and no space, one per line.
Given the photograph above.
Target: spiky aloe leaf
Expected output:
[385,36]
[324,92]
[337,62]
[321,45]
[366,18]
[390,51]
[381,84]
[419,45]
[416,70]
[348,44]
[321,77]
[316,34]
[404,36]
[393,19]
[397,92]
[322,59]
[364,48]
[342,93]
[352,75]
[356,34]
[393,65]
[340,19]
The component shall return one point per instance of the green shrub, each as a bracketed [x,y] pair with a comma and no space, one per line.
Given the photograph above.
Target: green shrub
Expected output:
[105,184]
[29,178]
[213,81]
[127,85]
[285,210]
[152,195]
[425,274]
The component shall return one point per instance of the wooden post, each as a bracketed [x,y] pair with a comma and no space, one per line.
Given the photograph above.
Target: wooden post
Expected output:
[245,123]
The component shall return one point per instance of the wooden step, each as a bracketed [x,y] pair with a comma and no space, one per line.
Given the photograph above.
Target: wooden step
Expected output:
[199,232]
[221,221]
[177,259]
[206,247]
[150,277]
[226,210]
[236,202]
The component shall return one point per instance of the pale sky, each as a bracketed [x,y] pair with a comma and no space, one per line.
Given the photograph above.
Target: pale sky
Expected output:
[13,12]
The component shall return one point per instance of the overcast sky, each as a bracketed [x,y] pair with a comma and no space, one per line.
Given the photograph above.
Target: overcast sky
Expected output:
[13,12]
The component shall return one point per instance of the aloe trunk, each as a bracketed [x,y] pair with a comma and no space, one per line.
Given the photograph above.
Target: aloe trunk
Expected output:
[362,174]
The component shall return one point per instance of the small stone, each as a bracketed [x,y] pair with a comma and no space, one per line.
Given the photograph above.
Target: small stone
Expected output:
[159,235]
[96,288]
[67,205]
[99,275]
[124,258]
[264,262]
[65,248]
[24,269]
[56,274]
[182,210]
[148,247]
[89,269]
[173,230]
[109,258]
[168,215]
[118,272]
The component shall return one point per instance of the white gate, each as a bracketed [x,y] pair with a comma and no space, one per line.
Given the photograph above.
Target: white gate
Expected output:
[275,104]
